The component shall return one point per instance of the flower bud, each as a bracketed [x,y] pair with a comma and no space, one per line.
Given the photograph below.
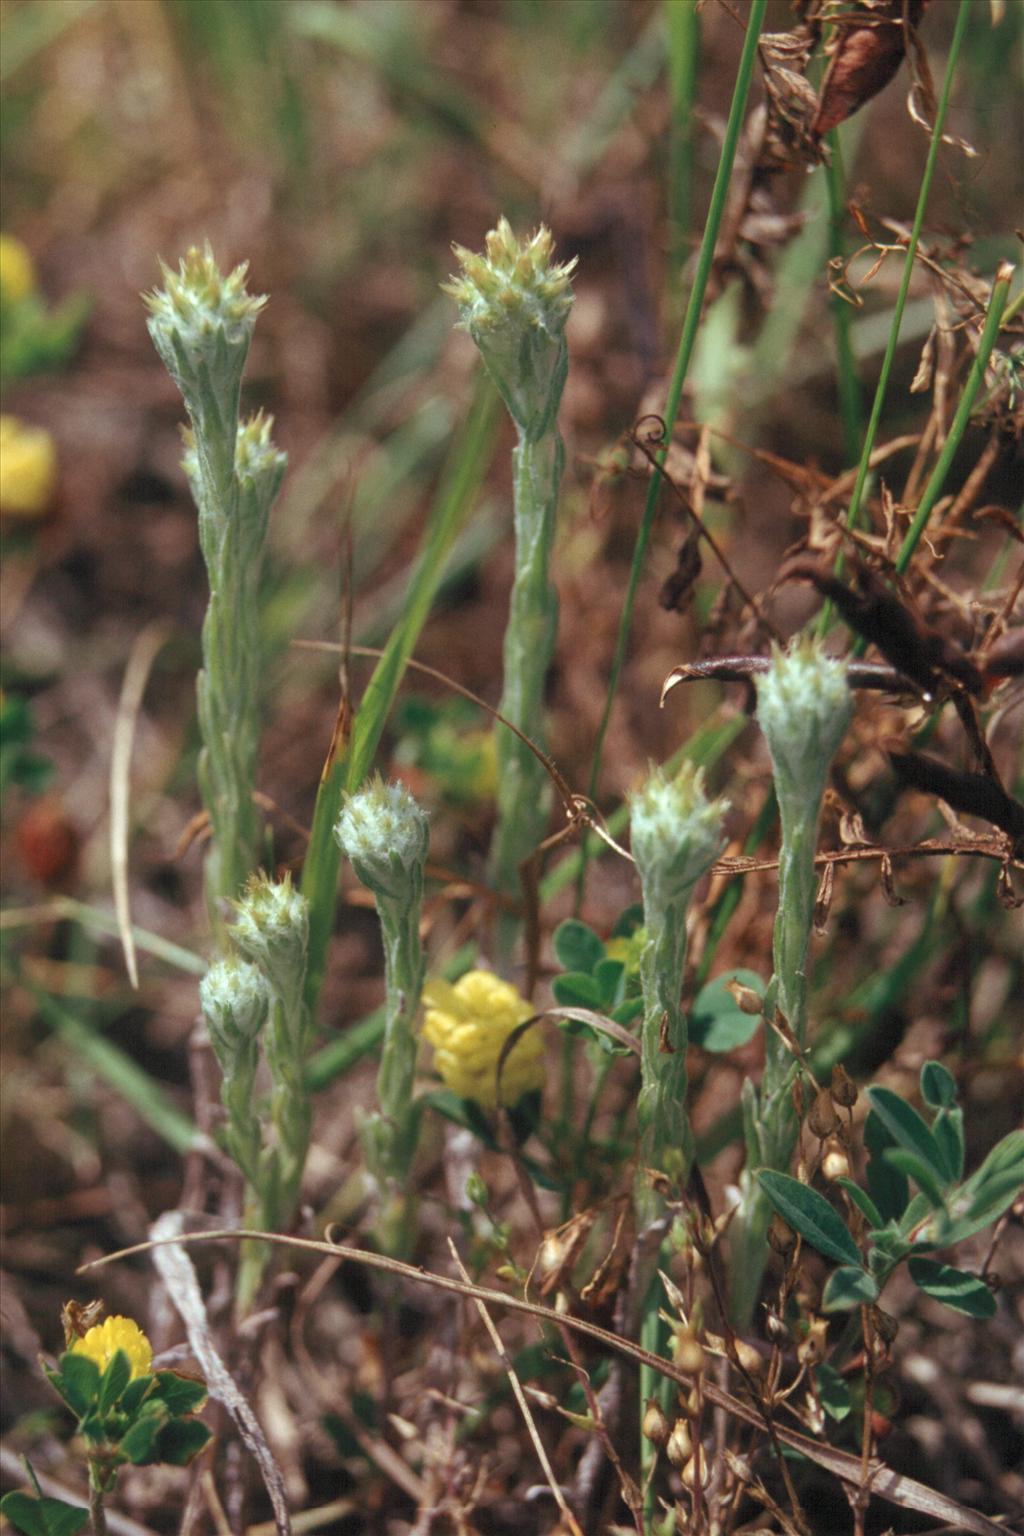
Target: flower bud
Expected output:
[688,1351]
[514,301]
[749,1358]
[202,324]
[234,1000]
[781,1236]
[843,1089]
[676,834]
[272,928]
[745,998]
[811,1349]
[803,707]
[696,1469]
[823,1119]
[385,834]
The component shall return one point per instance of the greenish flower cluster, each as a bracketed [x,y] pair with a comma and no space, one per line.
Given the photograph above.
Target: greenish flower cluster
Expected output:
[804,708]
[676,834]
[202,324]
[252,1006]
[515,300]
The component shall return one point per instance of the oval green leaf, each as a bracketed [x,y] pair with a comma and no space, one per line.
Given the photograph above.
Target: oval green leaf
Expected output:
[811,1215]
[953,1287]
[848,1287]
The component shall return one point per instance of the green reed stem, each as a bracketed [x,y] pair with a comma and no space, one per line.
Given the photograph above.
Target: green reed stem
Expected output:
[867,448]
[682,36]
[687,339]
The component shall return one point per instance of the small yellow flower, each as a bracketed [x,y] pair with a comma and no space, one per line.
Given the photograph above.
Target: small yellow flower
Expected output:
[480,750]
[17,274]
[467,1024]
[628,949]
[102,1343]
[28,468]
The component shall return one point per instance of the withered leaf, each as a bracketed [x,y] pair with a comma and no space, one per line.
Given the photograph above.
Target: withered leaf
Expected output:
[678,589]
[868,54]
[913,647]
[970,794]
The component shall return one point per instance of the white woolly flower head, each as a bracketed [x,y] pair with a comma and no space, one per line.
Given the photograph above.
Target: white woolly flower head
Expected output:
[804,708]
[676,832]
[514,300]
[385,833]
[202,324]
[234,999]
[272,928]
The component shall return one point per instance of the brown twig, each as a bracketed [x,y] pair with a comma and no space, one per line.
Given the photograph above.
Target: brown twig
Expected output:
[889,1485]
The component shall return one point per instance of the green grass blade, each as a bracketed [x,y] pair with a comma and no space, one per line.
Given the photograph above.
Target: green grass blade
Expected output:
[682,33]
[851,404]
[121,1073]
[933,490]
[455,496]
[687,339]
[867,448]
[98,921]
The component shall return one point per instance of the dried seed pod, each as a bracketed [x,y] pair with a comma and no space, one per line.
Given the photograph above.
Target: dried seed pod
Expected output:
[655,1426]
[688,1351]
[751,1359]
[823,1119]
[679,1445]
[885,1325]
[697,1469]
[811,1349]
[745,998]
[781,1236]
[843,1089]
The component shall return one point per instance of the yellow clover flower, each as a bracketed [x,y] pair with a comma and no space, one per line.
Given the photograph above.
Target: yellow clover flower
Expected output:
[101,1344]
[17,274]
[468,1024]
[28,468]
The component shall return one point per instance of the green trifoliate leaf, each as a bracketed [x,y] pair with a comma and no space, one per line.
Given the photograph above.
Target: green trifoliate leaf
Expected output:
[717,1021]
[202,324]
[676,834]
[908,1129]
[514,301]
[803,707]
[385,834]
[43,1516]
[577,947]
[834,1392]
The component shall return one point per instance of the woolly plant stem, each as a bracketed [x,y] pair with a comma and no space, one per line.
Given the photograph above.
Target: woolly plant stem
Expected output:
[227,688]
[523,791]
[404,970]
[661,1108]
